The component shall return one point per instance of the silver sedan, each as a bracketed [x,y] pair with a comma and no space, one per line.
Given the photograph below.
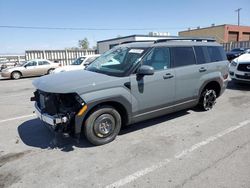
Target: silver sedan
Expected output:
[36,67]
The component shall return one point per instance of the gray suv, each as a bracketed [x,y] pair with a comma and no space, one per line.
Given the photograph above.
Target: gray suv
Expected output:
[132,82]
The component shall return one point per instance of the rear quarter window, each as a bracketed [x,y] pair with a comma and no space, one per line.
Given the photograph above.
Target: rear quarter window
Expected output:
[216,53]
[202,55]
[182,56]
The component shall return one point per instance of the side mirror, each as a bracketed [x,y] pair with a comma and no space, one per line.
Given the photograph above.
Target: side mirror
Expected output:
[145,70]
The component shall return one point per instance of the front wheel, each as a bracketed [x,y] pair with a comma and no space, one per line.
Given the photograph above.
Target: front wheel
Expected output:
[208,99]
[103,125]
[15,75]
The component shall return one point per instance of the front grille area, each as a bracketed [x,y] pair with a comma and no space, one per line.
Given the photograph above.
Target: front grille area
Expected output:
[53,103]
[47,102]
[244,67]
[242,77]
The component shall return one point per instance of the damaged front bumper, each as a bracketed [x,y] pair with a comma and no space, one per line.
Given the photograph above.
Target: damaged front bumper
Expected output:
[54,121]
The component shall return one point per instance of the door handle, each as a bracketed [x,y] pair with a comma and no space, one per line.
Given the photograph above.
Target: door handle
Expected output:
[202,69]
[168,76]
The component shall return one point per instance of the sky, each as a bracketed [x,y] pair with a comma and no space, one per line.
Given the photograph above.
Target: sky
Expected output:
[117,17]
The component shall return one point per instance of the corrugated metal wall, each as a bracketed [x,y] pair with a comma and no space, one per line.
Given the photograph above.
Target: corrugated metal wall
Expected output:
[65,57]
[231,45]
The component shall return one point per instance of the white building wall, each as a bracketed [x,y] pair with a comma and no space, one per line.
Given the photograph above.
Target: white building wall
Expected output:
[104,46]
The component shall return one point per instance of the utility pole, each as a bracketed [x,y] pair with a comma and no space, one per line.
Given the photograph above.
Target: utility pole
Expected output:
[238,10]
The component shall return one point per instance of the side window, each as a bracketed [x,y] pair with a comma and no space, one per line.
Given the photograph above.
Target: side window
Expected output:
[216,53]
[201,54]
[159,58]
[31,63]
[43,63]
[183,56]
[89,60]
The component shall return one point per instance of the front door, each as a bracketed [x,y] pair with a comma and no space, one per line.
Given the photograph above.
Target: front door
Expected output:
[151,94]
[30,69]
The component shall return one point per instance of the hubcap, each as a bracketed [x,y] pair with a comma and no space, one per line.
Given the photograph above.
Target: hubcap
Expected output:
[16,75]
[209,99]
[104,125]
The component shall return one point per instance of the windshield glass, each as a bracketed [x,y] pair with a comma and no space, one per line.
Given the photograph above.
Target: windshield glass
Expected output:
[78,61]
[238,50]
[116,61]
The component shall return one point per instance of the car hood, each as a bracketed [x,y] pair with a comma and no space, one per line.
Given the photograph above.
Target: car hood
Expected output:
[68,68]
[244,58]
[233,53]
[79,81]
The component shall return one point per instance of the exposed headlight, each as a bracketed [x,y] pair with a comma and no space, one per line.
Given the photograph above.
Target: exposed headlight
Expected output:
[233,64]
[79,99]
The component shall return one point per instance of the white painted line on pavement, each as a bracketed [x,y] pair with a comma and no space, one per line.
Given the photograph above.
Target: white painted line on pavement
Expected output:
[143,172]
[15,118]
[10,96]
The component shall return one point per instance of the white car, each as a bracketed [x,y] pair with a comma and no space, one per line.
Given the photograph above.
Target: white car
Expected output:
[79,63]
[239,68]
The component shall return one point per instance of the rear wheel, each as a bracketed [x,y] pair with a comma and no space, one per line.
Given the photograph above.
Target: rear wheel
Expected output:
[50,71]
[103,125]
[208,99]
[15,75]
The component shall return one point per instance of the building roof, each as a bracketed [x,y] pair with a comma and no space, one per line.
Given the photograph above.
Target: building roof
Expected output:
[222,25]
[129,36]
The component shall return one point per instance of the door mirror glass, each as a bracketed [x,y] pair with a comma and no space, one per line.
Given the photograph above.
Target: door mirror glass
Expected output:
[145,70]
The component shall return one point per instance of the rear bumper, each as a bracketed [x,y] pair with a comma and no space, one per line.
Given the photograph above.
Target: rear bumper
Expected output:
[224,86]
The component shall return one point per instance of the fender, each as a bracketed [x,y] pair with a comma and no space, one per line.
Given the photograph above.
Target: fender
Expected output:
[116,98]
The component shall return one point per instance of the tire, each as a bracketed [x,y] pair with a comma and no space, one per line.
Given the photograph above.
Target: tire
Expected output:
[207,99]
[103,125]
[16,75]
[50,71]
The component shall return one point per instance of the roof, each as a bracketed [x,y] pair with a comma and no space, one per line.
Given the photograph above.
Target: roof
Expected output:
[129,36]
[168,43]
[222,25]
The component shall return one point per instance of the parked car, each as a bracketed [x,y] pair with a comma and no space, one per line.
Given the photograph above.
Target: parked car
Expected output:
[143,82]
[35,67]
[240,69]
[236,52]
[79,63]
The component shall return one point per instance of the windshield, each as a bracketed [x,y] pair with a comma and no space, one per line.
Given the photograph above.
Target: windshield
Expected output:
[78,61]
[116,61]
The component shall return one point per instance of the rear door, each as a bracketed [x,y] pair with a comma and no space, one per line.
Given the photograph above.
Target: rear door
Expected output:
[43,67]
[186,71]
[153,93]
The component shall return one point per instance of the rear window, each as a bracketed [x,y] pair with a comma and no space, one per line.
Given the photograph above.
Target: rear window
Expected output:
[216,53]
[183,56]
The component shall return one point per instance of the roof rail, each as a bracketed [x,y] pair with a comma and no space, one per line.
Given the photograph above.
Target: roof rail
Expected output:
[126,42]
[195,39]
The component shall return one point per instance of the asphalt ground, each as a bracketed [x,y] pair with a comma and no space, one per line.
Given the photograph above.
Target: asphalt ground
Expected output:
[185,149]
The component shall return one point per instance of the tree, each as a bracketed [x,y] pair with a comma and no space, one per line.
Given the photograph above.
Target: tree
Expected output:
[84,44]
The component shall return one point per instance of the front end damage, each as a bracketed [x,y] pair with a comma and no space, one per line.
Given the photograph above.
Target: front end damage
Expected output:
[61,112]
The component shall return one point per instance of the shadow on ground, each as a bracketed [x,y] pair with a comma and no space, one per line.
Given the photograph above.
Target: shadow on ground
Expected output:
[232,85]
[152,122]
[34,133]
